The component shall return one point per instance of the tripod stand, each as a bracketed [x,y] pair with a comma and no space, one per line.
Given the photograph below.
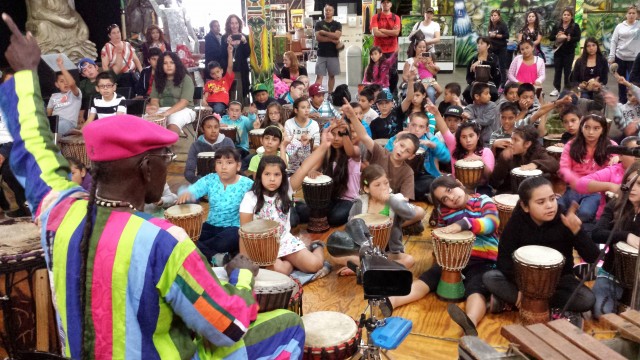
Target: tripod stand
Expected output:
[367,350]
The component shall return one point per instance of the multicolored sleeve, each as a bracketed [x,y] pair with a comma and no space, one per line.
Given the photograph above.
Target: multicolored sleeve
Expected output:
[487,221]
[35,160]
[220,313]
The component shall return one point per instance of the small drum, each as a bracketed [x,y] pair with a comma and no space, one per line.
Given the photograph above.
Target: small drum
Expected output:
[518,176]
[452,253]
[505,204]
[469,172]
[551,139]
[288,111]
[483,73]
[625,264]
[73,146]
[26,305]
[330,335]
[417,163]
[537,271]
[555,151]
[317,195]
[379,227]
[187,216]
[255,138]
[206,163]
[229,131]
[156,119]
[261,239]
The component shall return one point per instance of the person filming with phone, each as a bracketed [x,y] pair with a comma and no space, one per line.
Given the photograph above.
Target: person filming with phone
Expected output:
[233,35]
[425,64]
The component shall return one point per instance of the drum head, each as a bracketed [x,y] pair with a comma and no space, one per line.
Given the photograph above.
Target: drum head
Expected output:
[321,179]
[258,226]
[555,149]
[507,199]
[469,164]
[553,137]
[624,247]
[462,236]
[268,279]
[256,132]
[534,172]
[18,236]
[373,219]
[183,210]
[207,154]
[72,139]
[538,255]
[152,117]
[325,329]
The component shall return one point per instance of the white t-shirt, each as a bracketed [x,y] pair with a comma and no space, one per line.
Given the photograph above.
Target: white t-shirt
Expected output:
[295,131]
[369,116]
[429,31]
[103,108]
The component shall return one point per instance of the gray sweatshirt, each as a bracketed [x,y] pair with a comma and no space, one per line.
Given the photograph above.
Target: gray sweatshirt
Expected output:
[202,145]
[625,41]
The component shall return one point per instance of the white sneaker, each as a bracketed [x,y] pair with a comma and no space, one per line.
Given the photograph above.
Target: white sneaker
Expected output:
[555,92]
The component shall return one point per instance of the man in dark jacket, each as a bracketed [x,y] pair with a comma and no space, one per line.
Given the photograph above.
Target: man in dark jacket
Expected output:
[213,48]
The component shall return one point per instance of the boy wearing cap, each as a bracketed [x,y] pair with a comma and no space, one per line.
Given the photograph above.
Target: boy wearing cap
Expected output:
[65,104]
[89,70]
[261,100]
[453,118]
[321,107]
[391,119]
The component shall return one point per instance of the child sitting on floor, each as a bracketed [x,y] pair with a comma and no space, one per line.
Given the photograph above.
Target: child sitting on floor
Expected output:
[210,141]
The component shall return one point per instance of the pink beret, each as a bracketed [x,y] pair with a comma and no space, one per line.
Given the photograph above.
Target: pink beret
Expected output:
[123,136]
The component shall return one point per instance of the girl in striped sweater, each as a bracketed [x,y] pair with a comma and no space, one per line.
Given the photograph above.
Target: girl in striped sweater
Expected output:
[460,211]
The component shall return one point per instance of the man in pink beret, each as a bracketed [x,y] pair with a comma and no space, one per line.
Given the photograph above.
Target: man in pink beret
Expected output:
[127,285]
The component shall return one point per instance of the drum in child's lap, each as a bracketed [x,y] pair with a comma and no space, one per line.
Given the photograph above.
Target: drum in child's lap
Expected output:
[156,119]
[537,272]
[317,195]
[483,73]
[469,172]
[73,146]
[379,227]
[555,151]
[255,138]
[518,176]
[187,216]
[288,111]
[261,240]
[206,163]
[229,131]
[330,335]
[452,253]
[551,140]
[505,204]
[626,257]
[27,321]
[417,163]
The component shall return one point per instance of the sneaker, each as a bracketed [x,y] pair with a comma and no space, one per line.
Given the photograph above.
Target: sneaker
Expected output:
[555,92]
[497,305]
[326,270]
[460,318]
[573,317]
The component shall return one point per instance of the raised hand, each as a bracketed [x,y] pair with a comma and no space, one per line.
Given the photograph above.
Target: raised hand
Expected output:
[451,229]
[23,52]
[571,220]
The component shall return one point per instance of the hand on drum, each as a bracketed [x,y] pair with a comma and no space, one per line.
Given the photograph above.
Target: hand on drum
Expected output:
[633,240]
[185,197]
[502,143]
[451,229]
[571,220]
[152,109]
[530,166]
[75,132]
[314,174]
[472,156]
[241,262]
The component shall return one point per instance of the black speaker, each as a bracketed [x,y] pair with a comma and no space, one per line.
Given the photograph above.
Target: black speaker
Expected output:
[47,70]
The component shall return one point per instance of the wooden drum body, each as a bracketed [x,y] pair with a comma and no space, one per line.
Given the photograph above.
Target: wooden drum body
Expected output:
[317,195]
[206,163]
[483,73]
[626,257]
[469,172]
[505,204]
[261,240]
[187,216]
[288,111]
[330,335]
[229,131]
[255,138]
[417,163]
[273,290]
[379,227]
[156,119]
[452,253]
[555,151]
[551,140]
[73,146]
[537,271]
[518,176]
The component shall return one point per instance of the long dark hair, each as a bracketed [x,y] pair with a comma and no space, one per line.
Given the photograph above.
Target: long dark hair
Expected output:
[579,146]
[600,59]
[340,172]
[267,120]
[493,26]
[418,87]
[572,22]
[536,24]
[528,133]
[411,51]
[161,76]
[628,212]
[282,199]
[446,182]
[459,152]
[383,57]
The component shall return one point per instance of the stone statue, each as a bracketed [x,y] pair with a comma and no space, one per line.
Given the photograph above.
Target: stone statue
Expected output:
[139,15]
[58,28]
[176,24]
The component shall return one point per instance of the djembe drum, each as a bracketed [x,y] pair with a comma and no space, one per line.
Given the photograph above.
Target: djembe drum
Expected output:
[229,131]
[537,272]
[417,163]
[555,151]
[288,111]
[73,146]
[330,335]
[469,172]
[261,240]
[483,73]
[452,253]
[206,163]
[255,138]
[27,321]
[624,267]
[379,228]
[156,119]
[505,204]
[187,216]
[518,176]
[317,195]
[295,304]
[551,140]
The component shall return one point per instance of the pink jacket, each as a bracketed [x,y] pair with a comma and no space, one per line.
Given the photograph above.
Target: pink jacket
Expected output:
[612,174]
[515,66]
[487,156]
[570,171]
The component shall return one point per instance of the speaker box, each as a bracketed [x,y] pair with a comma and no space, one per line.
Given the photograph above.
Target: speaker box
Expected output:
[47,70]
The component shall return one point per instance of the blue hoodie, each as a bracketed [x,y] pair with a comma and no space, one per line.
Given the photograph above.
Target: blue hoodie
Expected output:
[202,145]
[440,152]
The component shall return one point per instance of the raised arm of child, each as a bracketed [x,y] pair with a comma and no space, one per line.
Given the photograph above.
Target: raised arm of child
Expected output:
[348,111]
[308,164]
[67,76]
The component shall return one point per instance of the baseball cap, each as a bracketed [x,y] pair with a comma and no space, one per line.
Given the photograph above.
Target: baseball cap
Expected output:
[453,110]
[429,10]
[316,89]
[384,95]
[83,63]
[260,87]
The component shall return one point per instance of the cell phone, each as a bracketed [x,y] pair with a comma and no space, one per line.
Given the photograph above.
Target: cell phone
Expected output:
[426,54]
[236,37]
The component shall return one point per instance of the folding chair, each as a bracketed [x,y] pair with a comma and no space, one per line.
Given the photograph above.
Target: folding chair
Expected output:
[197,99]
[124,92]
[53,125]
[135,106]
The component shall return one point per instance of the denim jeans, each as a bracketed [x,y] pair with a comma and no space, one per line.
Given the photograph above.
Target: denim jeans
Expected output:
[216,239]
[218,108]
[607,293]
[339,212]
[588,204]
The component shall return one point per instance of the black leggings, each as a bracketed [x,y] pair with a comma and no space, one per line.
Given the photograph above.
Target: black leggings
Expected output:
[562,62]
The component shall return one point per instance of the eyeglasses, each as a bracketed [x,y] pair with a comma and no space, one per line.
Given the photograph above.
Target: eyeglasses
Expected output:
[169,156]
[106,86]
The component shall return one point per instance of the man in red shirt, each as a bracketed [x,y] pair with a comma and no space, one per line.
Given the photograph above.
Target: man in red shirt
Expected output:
[385,27]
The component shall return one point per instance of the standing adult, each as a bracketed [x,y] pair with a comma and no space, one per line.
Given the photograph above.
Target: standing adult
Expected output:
[625,45]
[531,31]
[566,34]
[120,57]
[172,93]
[499,35]
[328,32]
[213,50]
[430,29]
[233,35]
[385,27]
[154,39]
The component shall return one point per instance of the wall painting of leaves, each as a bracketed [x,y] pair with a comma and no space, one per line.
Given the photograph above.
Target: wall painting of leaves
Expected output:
[601,25]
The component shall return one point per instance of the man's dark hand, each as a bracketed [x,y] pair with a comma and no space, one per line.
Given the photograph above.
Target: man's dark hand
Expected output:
[23,53]
[241,262]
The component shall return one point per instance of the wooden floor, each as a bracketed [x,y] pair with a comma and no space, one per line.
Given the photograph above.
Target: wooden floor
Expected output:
[434,334]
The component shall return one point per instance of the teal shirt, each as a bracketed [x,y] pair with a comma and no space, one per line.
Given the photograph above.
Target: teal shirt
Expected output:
[243,125]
